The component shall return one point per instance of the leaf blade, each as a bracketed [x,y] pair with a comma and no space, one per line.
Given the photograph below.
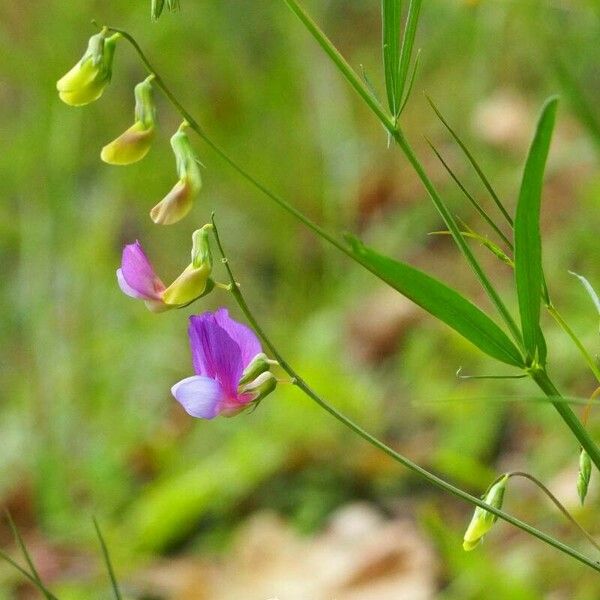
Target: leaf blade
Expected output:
[528,241]
[391,16]
[442,302]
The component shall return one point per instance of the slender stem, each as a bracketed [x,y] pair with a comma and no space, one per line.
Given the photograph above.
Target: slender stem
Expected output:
[569,417]
[565,412]
[542,380]
[456,234]
[556,503]
[195,126]
[389,123]
[406,462]
[582,349]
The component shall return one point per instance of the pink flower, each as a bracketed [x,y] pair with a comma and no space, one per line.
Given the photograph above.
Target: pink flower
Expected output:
[222,349]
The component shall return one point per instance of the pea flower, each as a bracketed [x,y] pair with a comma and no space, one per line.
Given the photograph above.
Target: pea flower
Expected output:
[231,369]
[86,81]
[483,520]
[178,202]
[137,278]
[132,145]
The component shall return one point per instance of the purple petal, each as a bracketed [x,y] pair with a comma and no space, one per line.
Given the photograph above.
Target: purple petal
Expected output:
[214,353]
[242,335]
[199,396]
[136,276]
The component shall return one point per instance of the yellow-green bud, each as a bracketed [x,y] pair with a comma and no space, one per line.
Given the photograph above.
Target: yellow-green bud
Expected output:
[135,143]
[483,520]
[262,386]
[259,365]
[201,253]
[86,81]
[178,202]
[584,475]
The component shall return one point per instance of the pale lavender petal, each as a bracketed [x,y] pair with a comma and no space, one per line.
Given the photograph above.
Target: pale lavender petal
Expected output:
[136,276]
[199,396]
[242,335]
[214,353]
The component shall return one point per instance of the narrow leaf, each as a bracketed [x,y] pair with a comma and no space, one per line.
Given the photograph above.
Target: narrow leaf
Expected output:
[106,555]
[528,242]
[442,302]
[391,16]
[468,154]
[408,41]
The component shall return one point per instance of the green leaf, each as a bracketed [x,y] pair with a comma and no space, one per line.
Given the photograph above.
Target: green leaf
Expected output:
[528,241]
[442,302]
[406,49]
[391,16]
[589,289]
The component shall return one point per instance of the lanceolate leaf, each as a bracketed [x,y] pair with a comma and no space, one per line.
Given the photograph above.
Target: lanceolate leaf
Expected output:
[528,242]
[442,302]
[391,15]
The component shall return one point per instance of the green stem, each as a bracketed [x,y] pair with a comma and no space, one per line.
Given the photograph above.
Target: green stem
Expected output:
[543,382]
[569,417]
[389,124]
[404,461]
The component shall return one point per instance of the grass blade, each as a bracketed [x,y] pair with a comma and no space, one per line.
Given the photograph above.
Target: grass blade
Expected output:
[34,573]
[528,241]
[442,302]
[474,163]
[391,18]
[111,572]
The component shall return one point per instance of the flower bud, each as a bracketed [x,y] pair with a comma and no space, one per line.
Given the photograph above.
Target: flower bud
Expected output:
[178,202]
[259,365]
[201,253]
[483,520]
[86,81]
[134,144]
[262,386]
[584,475]
[195,280]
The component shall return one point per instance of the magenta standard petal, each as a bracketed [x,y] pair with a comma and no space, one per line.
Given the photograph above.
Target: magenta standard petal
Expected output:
[214,353]
[242,335]
[199,396]
[136,276]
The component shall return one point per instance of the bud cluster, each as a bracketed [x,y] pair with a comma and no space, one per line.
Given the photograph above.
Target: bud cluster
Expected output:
[86,82]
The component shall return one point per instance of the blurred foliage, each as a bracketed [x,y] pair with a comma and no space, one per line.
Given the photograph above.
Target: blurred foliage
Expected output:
[87,423]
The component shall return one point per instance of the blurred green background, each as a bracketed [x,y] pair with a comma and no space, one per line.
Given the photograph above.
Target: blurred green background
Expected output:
[87,423]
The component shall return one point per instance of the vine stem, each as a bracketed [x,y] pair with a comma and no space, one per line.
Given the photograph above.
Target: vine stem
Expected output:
[395,132]
[565,411]
[539,376]
[299,382]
